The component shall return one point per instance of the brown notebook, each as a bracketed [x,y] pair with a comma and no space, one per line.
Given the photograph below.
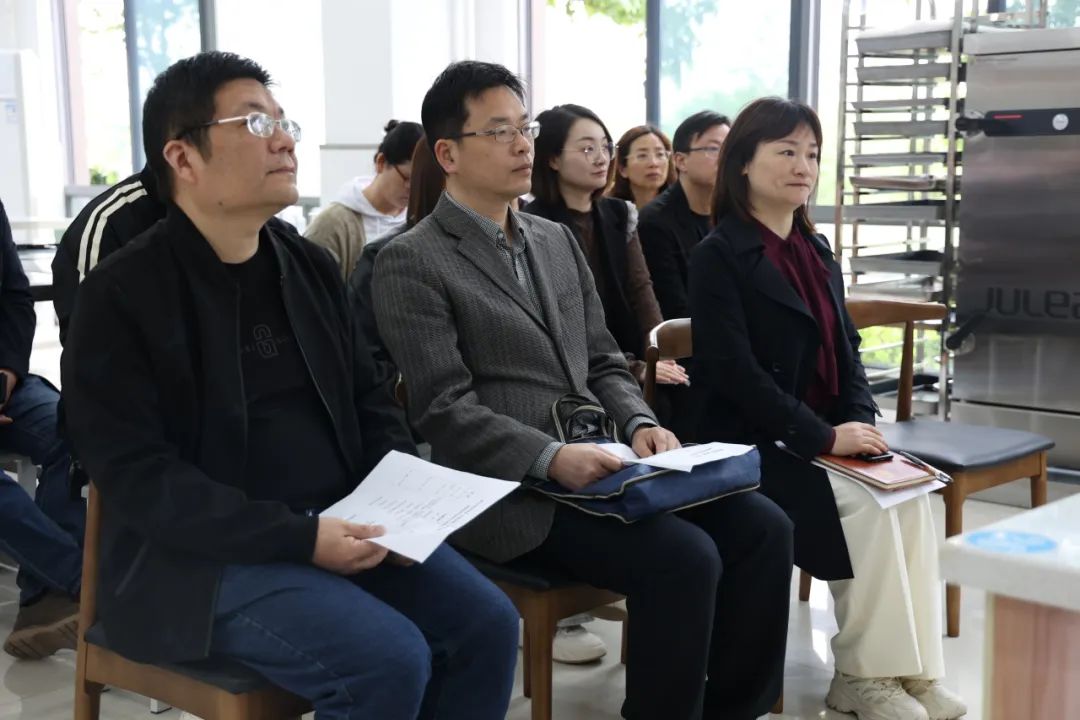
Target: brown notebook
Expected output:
[892,474]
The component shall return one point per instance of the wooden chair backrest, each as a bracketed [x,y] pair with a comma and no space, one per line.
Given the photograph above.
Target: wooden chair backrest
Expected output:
[870,312]
[670,340]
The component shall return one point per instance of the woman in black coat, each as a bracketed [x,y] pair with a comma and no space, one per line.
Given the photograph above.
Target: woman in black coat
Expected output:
[777,362]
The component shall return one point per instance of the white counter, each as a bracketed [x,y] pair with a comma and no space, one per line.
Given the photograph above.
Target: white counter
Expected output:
[1033,556]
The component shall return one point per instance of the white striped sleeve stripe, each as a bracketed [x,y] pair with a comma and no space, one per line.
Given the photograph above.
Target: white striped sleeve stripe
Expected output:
[95,246]
[94,222]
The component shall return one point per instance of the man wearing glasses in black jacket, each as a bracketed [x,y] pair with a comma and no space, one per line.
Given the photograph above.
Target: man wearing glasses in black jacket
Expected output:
[220,396]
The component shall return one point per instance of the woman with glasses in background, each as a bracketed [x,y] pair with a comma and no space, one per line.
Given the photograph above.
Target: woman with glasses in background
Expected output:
[643,165]
[368,208]
[571,168]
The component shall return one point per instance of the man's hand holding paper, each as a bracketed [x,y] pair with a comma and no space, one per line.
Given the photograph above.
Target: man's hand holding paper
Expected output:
[417,503]
[345,548]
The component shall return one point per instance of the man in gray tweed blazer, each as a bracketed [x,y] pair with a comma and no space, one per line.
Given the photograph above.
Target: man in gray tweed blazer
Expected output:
[492,316]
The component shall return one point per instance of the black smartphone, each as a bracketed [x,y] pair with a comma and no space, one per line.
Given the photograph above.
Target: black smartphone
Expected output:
[867,457]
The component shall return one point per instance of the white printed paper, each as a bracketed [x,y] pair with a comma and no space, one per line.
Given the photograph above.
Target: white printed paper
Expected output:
[684,459]
[623,452]
[420,504]
[889,498]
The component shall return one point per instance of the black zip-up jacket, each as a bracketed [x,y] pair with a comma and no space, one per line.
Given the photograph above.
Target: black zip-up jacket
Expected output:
[17,318]
[156,414]
[669,232]
[107,223]
[104,225]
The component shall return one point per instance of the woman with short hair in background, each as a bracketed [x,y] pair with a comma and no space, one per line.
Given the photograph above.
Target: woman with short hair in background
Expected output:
[643,165]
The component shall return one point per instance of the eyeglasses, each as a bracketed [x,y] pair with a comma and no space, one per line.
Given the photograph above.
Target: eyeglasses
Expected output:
[259,124]
[594,153]
[404,178]
[710,151]
[661,156]
[504,134]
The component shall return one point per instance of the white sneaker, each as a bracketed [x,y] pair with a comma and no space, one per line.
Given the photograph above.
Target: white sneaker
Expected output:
[873,698]
[575,645]
[940,702]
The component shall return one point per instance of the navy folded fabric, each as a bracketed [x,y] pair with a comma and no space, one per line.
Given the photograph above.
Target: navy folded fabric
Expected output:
[640,491]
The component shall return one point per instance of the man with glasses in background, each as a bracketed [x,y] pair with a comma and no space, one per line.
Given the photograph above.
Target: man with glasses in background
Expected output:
[678,219]
[492,316]
[220,395]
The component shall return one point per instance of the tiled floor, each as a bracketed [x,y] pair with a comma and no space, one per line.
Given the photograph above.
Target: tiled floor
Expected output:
[43,690]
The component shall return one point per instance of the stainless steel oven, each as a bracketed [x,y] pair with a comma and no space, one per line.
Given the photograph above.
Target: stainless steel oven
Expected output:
[1018,263]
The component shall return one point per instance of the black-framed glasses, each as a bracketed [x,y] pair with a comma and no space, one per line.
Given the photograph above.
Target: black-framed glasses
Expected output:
[258,124]
[404,178]
[504,134]
[597,152]
[712,151]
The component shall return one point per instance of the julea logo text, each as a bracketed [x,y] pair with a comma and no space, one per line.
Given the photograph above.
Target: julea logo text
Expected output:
[1036,304]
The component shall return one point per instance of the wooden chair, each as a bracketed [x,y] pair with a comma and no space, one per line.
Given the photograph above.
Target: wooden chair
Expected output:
[673,340]
[978,457]
[211,689]
[542,598]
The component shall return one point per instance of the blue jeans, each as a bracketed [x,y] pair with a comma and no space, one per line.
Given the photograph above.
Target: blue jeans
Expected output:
[43,535]
[436,640]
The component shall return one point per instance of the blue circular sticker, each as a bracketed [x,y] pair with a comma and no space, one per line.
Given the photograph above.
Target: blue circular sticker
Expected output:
[1010,541]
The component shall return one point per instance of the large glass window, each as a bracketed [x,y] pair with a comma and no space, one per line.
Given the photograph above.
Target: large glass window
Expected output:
[828,95]
[592,52]
[1063,13]
[719,55]
[121,47]
[163,31]
[105,126]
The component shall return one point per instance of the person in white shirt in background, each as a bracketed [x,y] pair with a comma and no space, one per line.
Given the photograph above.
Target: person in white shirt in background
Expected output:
[367,208]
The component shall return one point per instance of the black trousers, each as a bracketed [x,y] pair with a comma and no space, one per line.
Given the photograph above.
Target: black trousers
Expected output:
[707,592]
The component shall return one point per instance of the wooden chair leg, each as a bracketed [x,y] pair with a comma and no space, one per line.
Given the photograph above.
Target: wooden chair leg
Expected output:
[805,579]
[778,708]
[1038,483]
[87,700]
[954,525]
[625,636]
[540,629]
[526,672]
